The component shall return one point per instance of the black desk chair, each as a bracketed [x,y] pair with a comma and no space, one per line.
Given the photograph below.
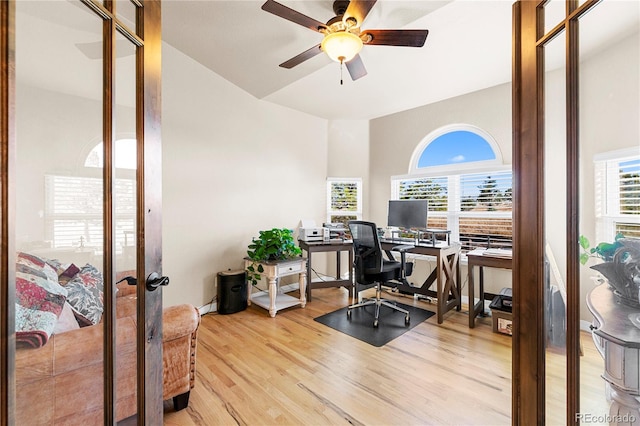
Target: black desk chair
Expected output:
[372,268]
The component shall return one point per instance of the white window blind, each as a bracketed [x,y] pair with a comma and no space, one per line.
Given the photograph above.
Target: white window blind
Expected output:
[434,190]
[475,207]
[617,190]
[73,210]
[344,199]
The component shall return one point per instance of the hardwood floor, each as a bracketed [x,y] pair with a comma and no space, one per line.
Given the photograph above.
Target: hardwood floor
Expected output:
[257,370]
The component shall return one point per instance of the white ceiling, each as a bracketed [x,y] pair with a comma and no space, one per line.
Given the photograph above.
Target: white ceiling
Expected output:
[468,48]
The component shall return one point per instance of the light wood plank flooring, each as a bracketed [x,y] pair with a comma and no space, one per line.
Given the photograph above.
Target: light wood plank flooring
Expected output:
[292,370]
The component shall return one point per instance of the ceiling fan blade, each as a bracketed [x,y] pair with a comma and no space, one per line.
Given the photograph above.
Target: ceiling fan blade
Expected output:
[358,9]
[294,16]
[356,68]
[298,59]
[410,38]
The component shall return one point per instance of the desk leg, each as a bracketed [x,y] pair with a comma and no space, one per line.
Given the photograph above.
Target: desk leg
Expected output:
[442,298]
[353,284]
[302,282]
[273,292]
[472,298]
[308,290]
[481,290]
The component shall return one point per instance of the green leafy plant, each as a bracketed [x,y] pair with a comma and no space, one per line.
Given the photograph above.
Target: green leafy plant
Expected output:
[271,245]
[604,251]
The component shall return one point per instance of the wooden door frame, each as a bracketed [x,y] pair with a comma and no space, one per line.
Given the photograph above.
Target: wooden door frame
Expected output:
[529,39]
[7,212]
[528,366]
[149,214]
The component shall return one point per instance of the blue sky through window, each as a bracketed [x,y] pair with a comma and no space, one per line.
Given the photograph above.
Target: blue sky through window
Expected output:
[460,146]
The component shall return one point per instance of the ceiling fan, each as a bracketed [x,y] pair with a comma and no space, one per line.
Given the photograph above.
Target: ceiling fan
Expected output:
[343,35]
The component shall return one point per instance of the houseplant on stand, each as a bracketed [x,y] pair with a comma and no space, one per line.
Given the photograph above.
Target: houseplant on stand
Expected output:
[271,245]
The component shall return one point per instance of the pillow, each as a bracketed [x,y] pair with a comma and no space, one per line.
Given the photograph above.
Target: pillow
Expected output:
[39,300]
[67,320]
[84,294]
[65,271]
[68,274]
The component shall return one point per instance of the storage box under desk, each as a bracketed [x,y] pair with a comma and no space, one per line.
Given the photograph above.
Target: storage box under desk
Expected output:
[501,312]
[502,322]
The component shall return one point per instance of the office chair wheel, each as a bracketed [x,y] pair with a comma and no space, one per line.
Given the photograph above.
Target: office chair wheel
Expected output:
[406,320]
[375,323]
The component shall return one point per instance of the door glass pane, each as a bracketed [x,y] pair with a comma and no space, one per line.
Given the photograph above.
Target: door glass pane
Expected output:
[555,171]
[59,214]
[125,218]
[610,180]
[554,13]
[126,13]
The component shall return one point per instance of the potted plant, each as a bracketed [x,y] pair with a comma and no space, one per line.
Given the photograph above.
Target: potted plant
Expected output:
[271,245]
[620,266]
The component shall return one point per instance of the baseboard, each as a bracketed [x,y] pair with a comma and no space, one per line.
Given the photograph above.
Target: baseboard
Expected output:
[213,306]
[209,307]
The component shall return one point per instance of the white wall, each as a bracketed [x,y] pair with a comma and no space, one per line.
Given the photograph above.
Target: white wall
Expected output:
[232,166]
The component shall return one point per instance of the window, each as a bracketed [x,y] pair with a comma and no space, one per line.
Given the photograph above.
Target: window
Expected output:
[617,183]
[474,199]
[74,204]
[344,200]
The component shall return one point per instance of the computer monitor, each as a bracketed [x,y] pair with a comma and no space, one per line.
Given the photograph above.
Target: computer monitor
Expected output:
[408,214]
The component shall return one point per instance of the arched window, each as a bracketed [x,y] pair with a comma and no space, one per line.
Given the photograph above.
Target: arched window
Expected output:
[454,147]
[459,170]
[125,156]
[81,226]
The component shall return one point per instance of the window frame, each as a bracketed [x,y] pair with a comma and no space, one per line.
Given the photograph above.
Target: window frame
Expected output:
[464,166]
[333,212]
[607,205]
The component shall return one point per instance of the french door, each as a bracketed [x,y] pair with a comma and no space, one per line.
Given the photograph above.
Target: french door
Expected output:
[575,99]
[80,170]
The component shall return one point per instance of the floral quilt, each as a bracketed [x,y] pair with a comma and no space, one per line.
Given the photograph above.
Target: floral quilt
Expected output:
[39,300]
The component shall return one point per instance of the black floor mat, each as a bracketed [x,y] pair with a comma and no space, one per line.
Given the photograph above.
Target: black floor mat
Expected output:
[390,324]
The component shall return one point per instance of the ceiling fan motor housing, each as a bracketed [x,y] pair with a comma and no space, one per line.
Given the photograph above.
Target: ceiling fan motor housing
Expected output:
[340,7]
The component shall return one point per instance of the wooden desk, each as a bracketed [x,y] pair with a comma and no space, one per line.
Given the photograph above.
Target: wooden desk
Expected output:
[338,247]
[272,299]
[616,334]
[478,258]
[446,275]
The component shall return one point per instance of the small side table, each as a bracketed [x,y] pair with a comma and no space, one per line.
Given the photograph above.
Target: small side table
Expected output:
[272,299]
[481,258]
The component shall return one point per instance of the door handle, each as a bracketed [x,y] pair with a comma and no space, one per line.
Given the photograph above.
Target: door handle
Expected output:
[154,281]
[130,280]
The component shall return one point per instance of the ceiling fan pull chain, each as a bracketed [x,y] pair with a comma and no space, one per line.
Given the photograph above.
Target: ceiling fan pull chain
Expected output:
[340,72]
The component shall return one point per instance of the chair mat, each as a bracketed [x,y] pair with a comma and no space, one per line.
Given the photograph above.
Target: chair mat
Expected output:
[390,323]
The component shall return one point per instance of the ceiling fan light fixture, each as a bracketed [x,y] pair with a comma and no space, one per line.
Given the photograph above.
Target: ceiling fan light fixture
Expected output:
[341,46]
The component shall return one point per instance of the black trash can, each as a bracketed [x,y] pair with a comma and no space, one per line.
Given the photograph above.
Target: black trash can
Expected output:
[232,292]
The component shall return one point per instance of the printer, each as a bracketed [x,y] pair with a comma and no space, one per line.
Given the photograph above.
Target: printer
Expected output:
[313,233]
